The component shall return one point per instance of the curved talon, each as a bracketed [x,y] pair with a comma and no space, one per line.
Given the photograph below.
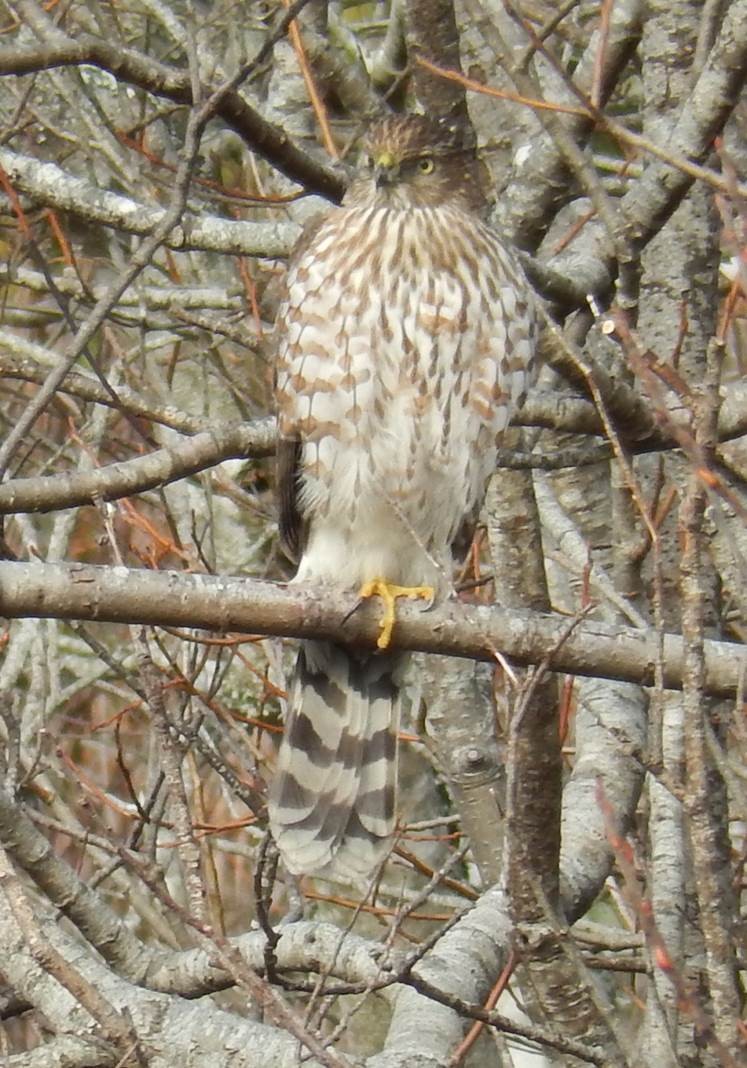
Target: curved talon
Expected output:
[389,594]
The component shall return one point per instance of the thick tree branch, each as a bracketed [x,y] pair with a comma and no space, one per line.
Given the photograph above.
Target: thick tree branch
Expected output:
[67,1051]
[431,33]
[32,852]
[170,598]
[702,116]
[654,197]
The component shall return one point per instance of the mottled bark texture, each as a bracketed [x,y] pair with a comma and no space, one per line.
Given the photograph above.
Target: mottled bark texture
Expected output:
[432,34]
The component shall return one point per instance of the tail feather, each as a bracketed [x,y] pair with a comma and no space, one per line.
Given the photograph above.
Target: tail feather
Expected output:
[332,802]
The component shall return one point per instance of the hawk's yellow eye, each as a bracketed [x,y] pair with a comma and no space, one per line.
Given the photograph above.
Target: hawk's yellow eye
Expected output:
[426,165]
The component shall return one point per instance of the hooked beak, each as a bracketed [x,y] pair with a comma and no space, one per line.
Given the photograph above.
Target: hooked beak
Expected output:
[386,169]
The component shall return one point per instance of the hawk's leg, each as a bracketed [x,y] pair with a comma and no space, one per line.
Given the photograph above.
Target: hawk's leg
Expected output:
[389,594]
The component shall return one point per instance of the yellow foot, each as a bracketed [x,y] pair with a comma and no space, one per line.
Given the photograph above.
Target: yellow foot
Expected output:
[389,595]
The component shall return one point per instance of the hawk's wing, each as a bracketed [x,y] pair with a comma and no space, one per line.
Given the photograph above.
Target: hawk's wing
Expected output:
[291,524]
[288,453]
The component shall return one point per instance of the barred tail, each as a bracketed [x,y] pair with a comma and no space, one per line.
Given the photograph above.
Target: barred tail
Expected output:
[332,798]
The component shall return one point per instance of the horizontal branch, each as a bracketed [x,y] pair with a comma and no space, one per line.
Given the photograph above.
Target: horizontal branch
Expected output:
[49,492]
[166,297]
[51,185]
[224,603]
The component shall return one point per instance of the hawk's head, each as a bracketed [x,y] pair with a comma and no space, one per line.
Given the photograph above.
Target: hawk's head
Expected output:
[413,161]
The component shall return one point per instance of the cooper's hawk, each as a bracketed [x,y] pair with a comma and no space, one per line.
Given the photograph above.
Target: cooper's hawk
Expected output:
[406,341]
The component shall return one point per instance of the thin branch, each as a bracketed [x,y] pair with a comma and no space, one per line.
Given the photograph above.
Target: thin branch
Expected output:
[164,297]
[172,755]
[25,368]
[134,68]
[710,848]
[137,262]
